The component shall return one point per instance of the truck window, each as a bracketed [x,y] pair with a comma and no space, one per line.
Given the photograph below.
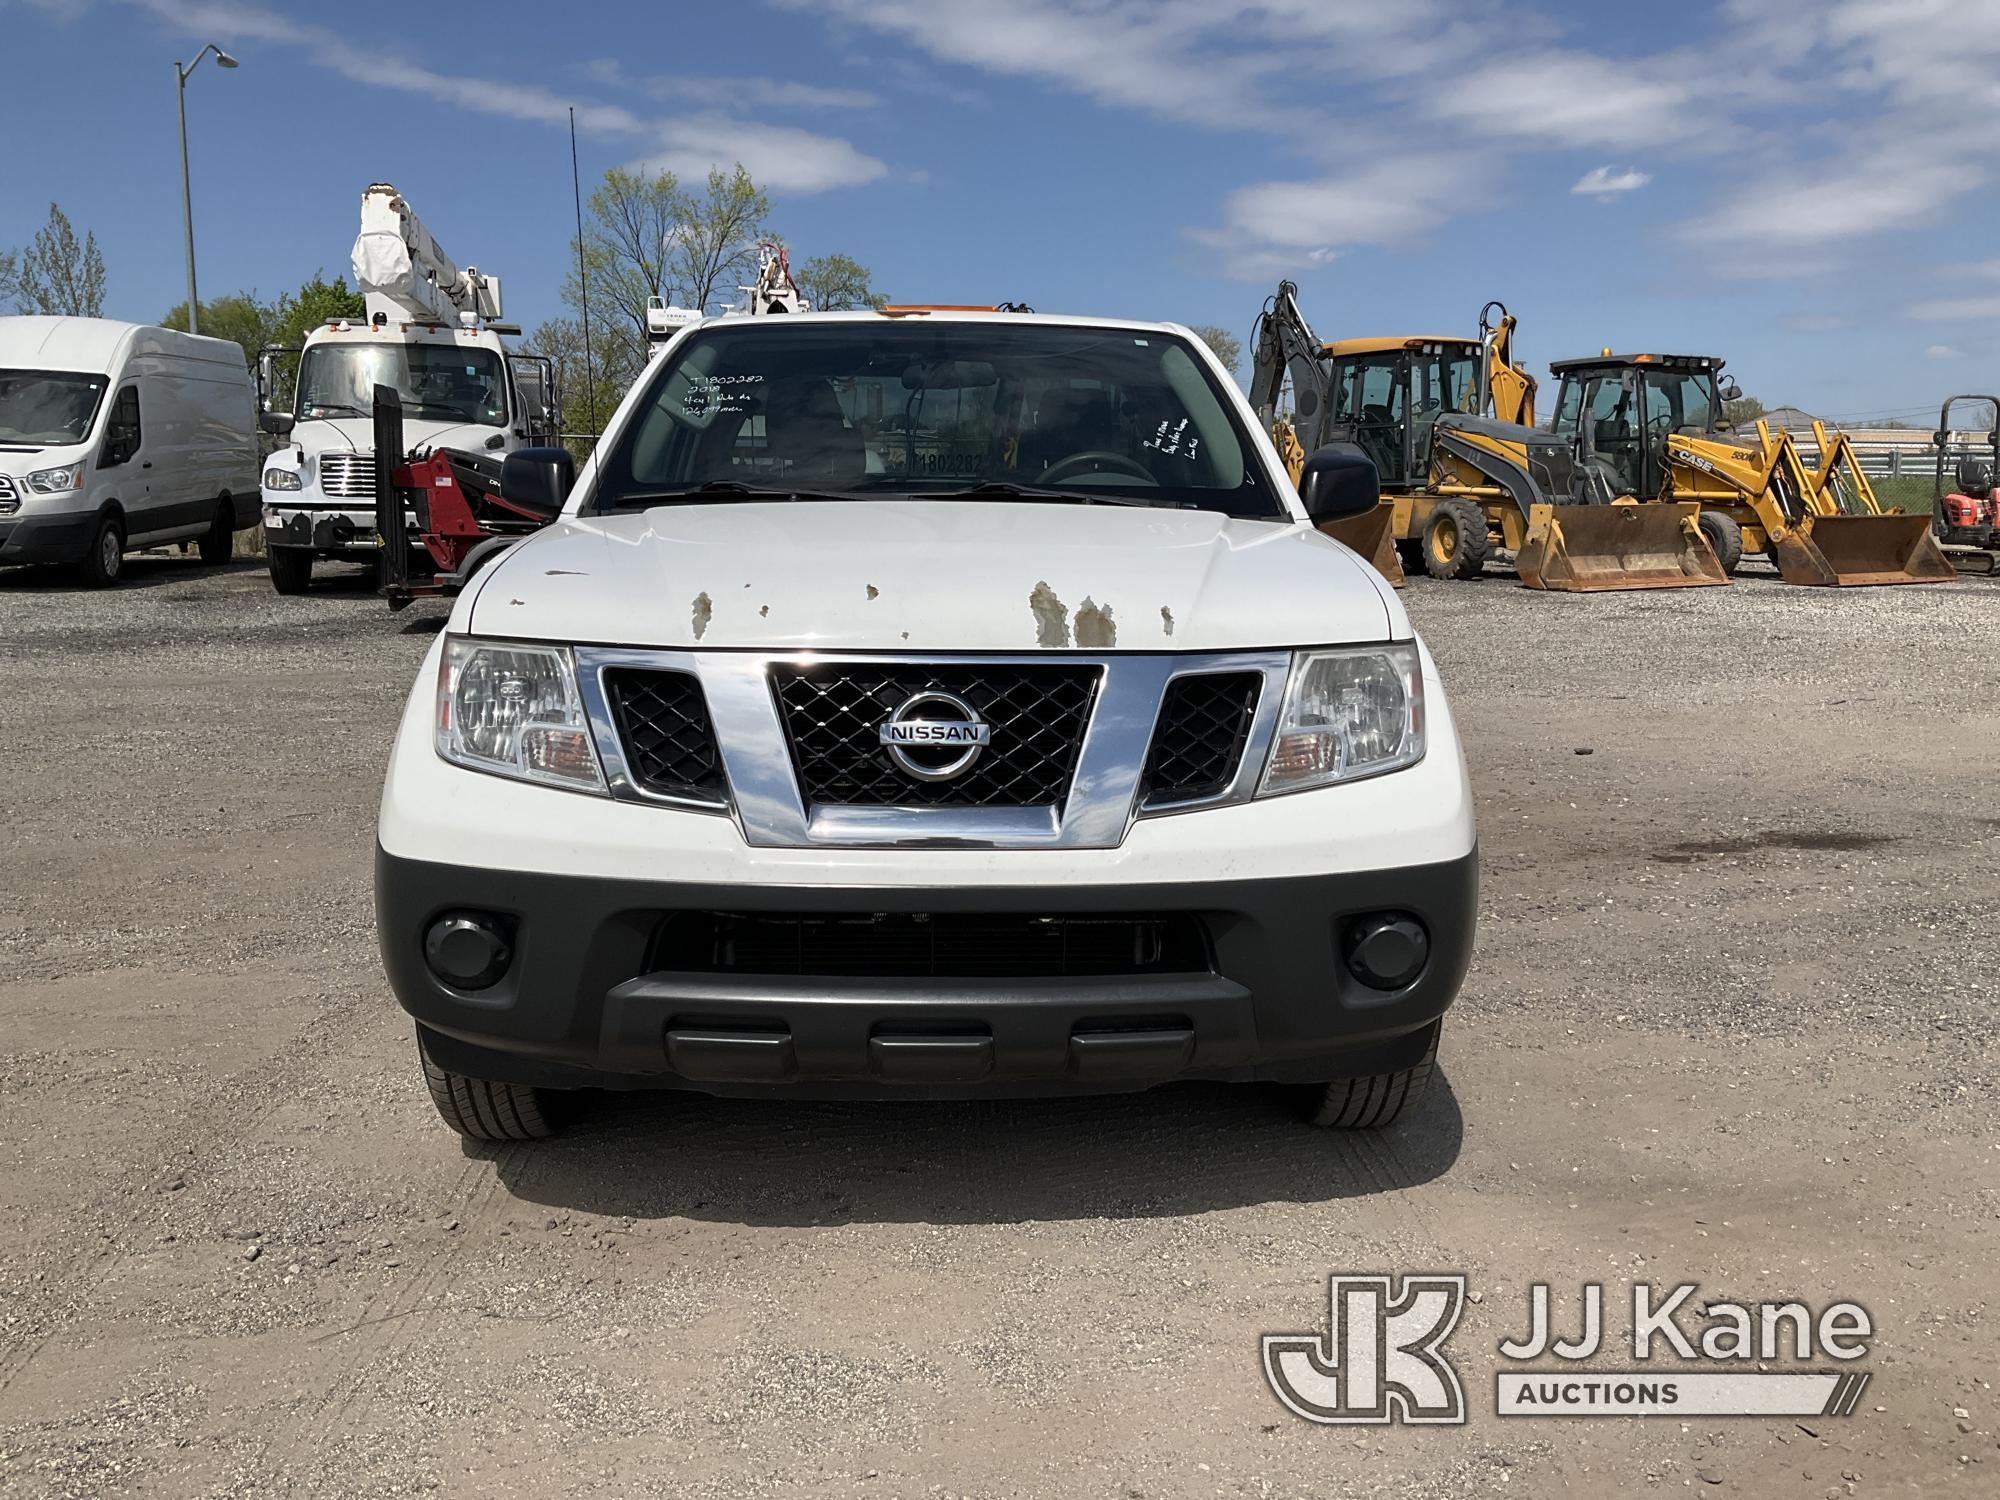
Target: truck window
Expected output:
[437,382]
[867,409]
[121,433]
[48,408]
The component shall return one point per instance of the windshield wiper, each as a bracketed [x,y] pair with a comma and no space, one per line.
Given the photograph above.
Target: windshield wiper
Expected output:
[323,407]
[1006,489]
[722,490]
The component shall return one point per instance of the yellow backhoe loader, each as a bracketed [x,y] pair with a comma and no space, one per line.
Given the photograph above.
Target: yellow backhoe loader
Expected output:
[1449,423]
[1652,423]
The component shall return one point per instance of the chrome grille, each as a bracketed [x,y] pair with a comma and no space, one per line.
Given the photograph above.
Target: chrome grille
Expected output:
[1198,742]
[9,501]
[833,717]
[347,476]
[664,727]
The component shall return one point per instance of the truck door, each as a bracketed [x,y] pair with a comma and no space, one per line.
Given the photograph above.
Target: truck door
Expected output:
[535,396]
[123,451]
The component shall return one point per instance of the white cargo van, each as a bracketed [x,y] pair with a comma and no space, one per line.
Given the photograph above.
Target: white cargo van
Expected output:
[115,436]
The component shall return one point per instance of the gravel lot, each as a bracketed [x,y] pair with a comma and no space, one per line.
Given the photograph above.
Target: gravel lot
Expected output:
[1731,1021]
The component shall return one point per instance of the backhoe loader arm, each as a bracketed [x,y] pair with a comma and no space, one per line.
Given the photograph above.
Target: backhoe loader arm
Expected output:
[1509,388]
[1284,343]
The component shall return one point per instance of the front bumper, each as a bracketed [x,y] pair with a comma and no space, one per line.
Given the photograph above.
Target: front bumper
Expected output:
[585,1004]
[46,539]
[325,529]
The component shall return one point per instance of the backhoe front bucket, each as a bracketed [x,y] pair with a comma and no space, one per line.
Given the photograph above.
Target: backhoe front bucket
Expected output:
[1372,535]
[1857,551]
[1588,549]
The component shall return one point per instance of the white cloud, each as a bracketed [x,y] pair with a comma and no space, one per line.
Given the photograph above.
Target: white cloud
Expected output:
[1563,97]
[782,158]
[1608,182]
[1957,309]
[1281,227]
[777,157]
[1943,351]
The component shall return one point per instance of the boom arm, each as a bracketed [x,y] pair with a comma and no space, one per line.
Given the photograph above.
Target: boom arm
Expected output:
[1510,388]
[1283,342]
[403,272]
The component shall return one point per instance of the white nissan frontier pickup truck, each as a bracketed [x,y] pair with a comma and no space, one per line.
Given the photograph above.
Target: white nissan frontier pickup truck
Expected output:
[927,704]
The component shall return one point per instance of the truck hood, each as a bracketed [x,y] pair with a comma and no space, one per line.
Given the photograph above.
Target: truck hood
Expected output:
[340,434]
[917,575]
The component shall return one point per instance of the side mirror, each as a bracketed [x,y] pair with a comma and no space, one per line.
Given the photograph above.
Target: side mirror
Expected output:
[1338,483]
[537,480]
[277,423]
[1731,391]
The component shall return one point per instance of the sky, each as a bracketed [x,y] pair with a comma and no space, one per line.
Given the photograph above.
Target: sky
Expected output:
[1808,188]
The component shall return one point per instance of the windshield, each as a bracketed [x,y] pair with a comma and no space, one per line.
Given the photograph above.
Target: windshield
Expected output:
[49,408]
[910,408]
[1679,401]
[438,382]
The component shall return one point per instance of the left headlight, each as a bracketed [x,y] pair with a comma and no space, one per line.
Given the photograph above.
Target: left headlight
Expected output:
[57,481]
[514,710]
[281,479]
[1348,714]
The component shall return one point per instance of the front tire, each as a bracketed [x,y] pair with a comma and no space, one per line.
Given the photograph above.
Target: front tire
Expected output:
[1379,1099]
[291,569]
[104,564]
[1455,540]
[481,1110]
[218,543]
[1724,536]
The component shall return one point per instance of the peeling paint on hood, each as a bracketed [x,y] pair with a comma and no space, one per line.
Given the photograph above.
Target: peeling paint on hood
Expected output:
[946,576]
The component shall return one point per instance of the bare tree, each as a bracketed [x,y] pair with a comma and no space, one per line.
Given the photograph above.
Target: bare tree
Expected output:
[55,274]
[713,246]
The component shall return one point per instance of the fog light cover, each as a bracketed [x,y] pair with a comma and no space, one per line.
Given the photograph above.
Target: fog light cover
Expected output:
[1386,951]
[514,710]
[1348,714]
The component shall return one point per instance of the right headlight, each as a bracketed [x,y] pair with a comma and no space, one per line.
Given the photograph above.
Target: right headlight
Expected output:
[281,479]
[1348,713]
[514,710]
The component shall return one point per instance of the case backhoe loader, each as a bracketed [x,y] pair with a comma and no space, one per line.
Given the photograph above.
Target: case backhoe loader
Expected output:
[1449,424]
[1652,423]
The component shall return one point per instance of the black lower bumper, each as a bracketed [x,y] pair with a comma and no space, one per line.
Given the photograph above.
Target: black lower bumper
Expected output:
[46,539]
[589,999]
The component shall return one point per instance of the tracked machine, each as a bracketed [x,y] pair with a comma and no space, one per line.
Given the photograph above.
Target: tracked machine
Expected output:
[1965,510]
[1653,425]
[1449,423]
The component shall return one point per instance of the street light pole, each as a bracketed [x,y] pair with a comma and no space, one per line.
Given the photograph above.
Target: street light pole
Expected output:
[181,74]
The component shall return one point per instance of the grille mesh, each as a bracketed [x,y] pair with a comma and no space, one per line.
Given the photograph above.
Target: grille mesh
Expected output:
[942,945]
[663,724]
[833,717]
[1198,742]
[347,476]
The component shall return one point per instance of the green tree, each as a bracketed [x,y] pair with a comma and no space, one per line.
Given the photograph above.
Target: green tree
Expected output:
[317,301]
[241,316]
[1743,411]
[55,273]
[1227,346]
[590,387]
[836,283]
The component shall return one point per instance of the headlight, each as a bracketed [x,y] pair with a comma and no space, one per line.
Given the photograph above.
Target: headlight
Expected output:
[282,479]
[1347,714]
[514,711]
[57,481]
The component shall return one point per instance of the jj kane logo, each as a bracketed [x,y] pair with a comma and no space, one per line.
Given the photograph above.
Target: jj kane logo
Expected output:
[1382,1356]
